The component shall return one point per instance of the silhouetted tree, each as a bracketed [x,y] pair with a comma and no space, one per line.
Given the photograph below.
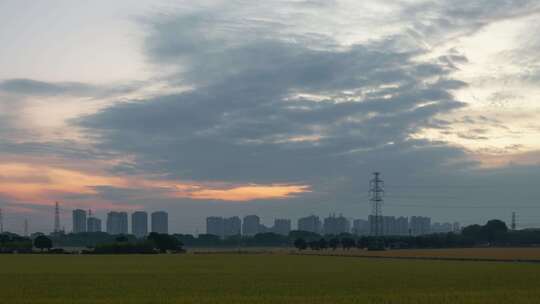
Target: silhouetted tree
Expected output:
[164,242]
[43,242]
[495,230]
[323,244]
[306,235]
[314,245]
[300,244]
[333,243]
[475,232]
[121,238]
[348,243]
[269,239]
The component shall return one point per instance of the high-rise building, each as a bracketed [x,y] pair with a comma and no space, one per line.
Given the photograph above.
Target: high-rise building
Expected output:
[310,223]
[139,224]
[336,225]
[160,222]
[232,226]
[420,225]
[456,228]
[441,227]
[93,224]
[389,226]
[402,225]
[251,225]
[360,227]
[282,226]
[79,221]
[215,226]
[117,223]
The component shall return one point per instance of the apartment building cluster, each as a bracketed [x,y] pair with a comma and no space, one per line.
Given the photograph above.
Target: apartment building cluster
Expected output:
[117,222]
[249,226]
[391,225]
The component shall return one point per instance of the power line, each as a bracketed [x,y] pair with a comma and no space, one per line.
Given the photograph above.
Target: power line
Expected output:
[464,206]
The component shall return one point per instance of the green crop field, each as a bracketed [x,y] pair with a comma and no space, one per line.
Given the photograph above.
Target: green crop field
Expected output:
[279,278]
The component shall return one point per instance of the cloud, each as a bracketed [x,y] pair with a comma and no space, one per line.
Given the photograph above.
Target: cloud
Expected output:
[293,103]
[252,97]
[42,88]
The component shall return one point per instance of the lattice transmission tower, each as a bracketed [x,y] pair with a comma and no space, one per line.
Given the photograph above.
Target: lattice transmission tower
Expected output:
[26,233]
[56,217]
[376,193]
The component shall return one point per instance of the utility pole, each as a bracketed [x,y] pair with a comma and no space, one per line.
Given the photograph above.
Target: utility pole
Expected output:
[56,218]
[376,192]
[25,227]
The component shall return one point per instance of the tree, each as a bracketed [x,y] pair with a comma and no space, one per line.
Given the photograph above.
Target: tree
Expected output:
[314,245]
[306,235]
[300,244]
[43,242]
[323,244]
[121,238]
[473,231]
[333,243]
[164,242]
[348,243]
[269,239]
[495,230]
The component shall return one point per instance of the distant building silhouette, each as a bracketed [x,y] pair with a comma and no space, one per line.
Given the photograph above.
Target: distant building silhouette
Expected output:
[215,226]
[232,226]
[251,225]
[79,221]
[336,225]
[160,222]
[139,224]
[442,227]
[420,225]
[402,226]
[282,226]
[456,227]
[117,223]
[93,224]
[360,227]
[310,223]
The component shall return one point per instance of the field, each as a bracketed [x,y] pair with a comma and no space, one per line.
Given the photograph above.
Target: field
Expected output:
[270,278]
[503,254]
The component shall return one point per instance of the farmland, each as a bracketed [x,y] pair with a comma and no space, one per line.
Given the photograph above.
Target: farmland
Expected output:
[260,278]
[499,254]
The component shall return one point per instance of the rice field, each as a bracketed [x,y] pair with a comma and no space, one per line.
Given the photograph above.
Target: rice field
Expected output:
[261,278]
[502,254]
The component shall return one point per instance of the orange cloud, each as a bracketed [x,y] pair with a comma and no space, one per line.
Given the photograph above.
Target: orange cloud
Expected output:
[250,192]
[33,182]
[502,160]
[41,184]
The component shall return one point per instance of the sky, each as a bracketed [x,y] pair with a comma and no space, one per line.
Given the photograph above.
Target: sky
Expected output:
[276,108]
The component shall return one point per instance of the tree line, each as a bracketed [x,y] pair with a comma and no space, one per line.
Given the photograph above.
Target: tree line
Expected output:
[493,233]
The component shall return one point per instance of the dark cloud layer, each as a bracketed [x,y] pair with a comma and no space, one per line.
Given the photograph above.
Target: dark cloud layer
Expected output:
[31,87]
[251,116]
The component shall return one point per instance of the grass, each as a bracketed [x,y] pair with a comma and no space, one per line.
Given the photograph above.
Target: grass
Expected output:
[458,253]
[280,278]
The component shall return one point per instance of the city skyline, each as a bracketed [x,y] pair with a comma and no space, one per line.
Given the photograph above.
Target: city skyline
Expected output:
[271,108]
[140,223]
